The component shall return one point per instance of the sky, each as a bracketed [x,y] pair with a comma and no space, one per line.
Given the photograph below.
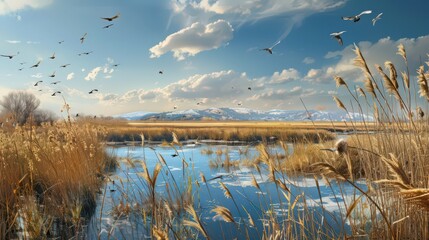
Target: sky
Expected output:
[209,51]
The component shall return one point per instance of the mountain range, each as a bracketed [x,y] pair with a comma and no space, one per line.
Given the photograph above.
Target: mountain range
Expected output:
[246,114]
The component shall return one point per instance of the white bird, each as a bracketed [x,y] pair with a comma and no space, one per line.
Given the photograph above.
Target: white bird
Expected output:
[374,20]
[357,17]
[337,35]
[340,147]
[270,49]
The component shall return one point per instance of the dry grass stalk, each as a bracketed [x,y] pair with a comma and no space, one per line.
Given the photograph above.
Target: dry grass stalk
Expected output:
[197,224]
[339,103]
[406,79]
[369,86]
[224,213]
[393,74]
[225,190]
[339,81]
[360,62]
[401,51]
[423,83]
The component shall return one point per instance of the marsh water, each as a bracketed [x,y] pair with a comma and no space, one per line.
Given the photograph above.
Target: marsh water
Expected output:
[326,202]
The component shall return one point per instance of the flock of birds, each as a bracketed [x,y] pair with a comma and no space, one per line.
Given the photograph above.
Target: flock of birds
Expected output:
[336,35]
[53,57]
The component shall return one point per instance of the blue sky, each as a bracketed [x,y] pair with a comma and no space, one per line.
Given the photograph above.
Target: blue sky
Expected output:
[208,50]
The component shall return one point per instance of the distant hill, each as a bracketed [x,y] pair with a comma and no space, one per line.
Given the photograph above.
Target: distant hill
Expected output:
[245,114]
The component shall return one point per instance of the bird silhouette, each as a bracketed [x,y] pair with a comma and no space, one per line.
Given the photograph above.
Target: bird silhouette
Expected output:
[37,83]
[374,20]
[174,155]
[270,49]
[55,93]
[53,56]
[85,53]
[82,39]
[9,56]
[161,72]
[249,88]
[93,90]
[20,69]
[65,65]
[52,75]
[55,83]
[115,65]
[108,26]
[357,17]
[37,64]
[111,18]
[337,35]
[60,42]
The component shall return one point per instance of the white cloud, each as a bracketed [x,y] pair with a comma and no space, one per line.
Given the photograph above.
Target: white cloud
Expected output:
[70,76]
[286,75]
[13,41]
[9,6]
[308,60]
[194,39]
[93,74]
[377,53]
[37,75]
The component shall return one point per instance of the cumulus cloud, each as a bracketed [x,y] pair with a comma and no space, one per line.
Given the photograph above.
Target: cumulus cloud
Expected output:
[286,75]
[10,6]
[70,76]
[194,39]
[377,53]
[93,74]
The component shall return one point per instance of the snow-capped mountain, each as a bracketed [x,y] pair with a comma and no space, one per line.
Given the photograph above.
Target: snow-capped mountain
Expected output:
[245,114]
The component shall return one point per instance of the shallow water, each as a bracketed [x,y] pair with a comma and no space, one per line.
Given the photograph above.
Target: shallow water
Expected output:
[128,186]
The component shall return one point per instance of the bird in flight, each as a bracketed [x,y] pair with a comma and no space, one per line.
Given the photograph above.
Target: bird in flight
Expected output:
[161,72]
[10,56]
[93,90]
[357,17]
[270,49]
[374,20]
[82,39]
[53,56]
[20,69]
[337,35]
[55,93]
[115,65]
[37,64]
[65,65]
[85,53]
[111,18]
[52,75]
[108,26]
[37,83]
[55,83]
[249,88]
[60,42]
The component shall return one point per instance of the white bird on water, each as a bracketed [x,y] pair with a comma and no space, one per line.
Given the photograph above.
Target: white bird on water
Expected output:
[374,20]
[357,17]
[337,35]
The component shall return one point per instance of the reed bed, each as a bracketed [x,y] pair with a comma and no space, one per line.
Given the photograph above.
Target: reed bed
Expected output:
[50,176]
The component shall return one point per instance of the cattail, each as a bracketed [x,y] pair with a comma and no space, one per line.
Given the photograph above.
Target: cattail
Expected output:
[224,213]
[423,83]
[401,51]
[203,179]
[341,146]
[406,79]
[339,81]
[226,190]
[339,103]
[393,74]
